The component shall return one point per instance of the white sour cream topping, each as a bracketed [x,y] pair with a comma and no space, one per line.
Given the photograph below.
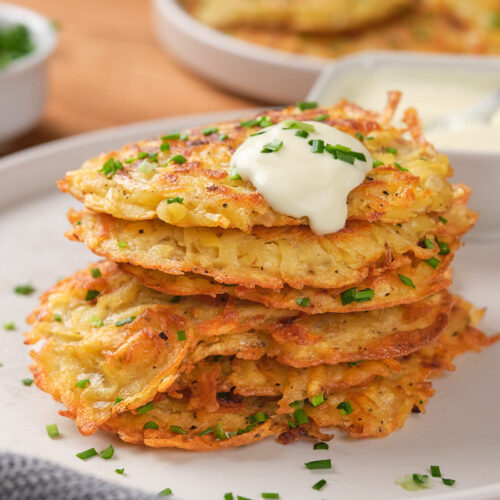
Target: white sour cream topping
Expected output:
[297,182]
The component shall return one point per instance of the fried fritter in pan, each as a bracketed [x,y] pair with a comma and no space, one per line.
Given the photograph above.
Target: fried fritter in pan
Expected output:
[131,342]
[152,181]
[272,257]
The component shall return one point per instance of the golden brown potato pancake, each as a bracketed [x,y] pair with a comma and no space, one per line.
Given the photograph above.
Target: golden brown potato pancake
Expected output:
[327,16]
[124,338]
[272,257]
[210,198]
[201,418]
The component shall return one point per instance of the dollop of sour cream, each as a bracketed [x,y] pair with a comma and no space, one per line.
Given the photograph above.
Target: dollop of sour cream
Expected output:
[304,169]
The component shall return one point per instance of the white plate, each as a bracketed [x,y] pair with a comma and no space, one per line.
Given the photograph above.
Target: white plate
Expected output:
[273,76]
[460,431]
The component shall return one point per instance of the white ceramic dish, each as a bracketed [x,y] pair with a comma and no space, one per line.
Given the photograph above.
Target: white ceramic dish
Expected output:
[22,82]
[271,76]
[460,431]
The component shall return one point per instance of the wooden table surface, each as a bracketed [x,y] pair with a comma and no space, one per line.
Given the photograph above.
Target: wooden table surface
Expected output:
[109,70]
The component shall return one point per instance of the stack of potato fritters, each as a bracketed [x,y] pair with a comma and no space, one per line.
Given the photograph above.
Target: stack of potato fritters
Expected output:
[216,321]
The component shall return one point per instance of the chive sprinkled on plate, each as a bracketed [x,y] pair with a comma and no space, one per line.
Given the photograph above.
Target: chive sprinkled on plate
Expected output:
[107,453]
[84,455]
[433,262]
[27,381]
[120,471]
[317,400]
[320,446]
[272,147]
[345,408]
[145,408]
[92,295]
[319,464]
[181,335]
[165,493]
[435,471]
[270,495]
[420,478]
[302,301]
[209,130]
[413,482]
[24,289]
[10,325]
[125,321]
[405,280]
[303,105]
[448,482]
[228,496]
[319,484]
[84,382]
[177,199]
[95,272]
[52,430]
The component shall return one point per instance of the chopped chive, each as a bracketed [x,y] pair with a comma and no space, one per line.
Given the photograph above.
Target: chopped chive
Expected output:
[95,272]
[24,289]
[249,123]
[110,167]
[428,243]
[146,167]
[435,471]
[222,137]
[405,280]
[354,363]
[321,118]
[27,381]
[120,471]
[10,325]
[292,425]
[319,464]
[320,446]
[178,159]
[377,163]
[145,408]
[291,124]
[239,497]
[297,404]
[107,453]
[151,425]
[270,495]
[219,431]
[125,321]
[300,416]
[83,383]
[52,430]
[400,167]
[208,430]
[272,147]
[165,493]
[317,146]
[171,137]
[443,220]
[302,301]
[233,175]
[369,138]
[184,137]
[444,248]
[433,262]
[264,121]
[209,130]
[353,295]
[409,483]
[420,478]
[92,294]
[344,153]
[181,335]
[345,408]
[177,199]
[228,496]
[122,244]
[302,133]
[260,132]
[319,484]
[177,429]
[260,417]
[96,321]
[317,400]
[165,146]
[83,455]
[117,400]
[359,135]
[393,151]
[303,105]
[448,482]
[142,155]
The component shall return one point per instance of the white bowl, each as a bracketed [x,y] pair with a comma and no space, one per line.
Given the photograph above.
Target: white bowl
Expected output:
[22,82]
[272,76]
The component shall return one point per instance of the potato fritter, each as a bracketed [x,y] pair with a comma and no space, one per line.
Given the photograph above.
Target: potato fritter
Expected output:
[196,189]
[131,342]
[326,16]
[272,257]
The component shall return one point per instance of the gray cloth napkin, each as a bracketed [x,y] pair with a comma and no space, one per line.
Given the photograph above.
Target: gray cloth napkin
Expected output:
[25,478]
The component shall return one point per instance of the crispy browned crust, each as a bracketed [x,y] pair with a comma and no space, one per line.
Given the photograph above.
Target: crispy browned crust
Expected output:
[211,199]
[271,257]
[148,346]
